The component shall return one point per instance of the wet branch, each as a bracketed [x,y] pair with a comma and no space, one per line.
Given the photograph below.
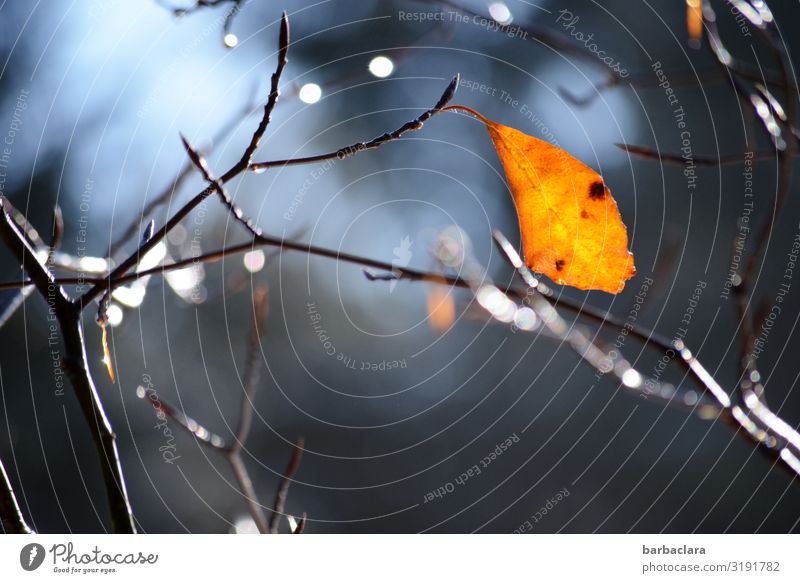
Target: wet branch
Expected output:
[76,365]
[115,276]
[388,272]
[232,449]
[747,410]
[373,144]
[234,171]
[771,434]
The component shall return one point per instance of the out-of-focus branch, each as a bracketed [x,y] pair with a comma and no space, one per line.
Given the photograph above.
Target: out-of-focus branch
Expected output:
[391,272]
[162,198]
[563,45]
[76,364]
[231,450]
[615,366]
[10,515]
[283,487]
[677,79]
[761,425]
[747,410]
[251,367]
[779,124]
[228,39]
[671,158]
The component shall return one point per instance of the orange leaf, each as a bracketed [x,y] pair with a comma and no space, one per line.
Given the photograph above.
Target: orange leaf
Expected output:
[571,228]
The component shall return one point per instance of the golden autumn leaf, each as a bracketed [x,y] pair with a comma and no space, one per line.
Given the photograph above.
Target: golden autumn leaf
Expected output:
[571,228]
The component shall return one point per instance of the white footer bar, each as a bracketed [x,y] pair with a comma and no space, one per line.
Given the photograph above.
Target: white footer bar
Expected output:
[406,558]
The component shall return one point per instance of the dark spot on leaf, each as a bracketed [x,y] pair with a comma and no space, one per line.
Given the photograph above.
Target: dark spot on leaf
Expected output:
[584,214]
[597,191]
[560,264]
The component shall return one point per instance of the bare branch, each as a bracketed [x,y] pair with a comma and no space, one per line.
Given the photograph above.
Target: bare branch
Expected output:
[760,424]
[234,211]
[175,184]
[232,451]
[671,158]
[251,366]
[780,126]
[347,151]
[599,359]
[533,32]
[76,364]
[234,171]
[274,92]
[577,307]
[188,424]
[283,488]
[249,492]
[113,277]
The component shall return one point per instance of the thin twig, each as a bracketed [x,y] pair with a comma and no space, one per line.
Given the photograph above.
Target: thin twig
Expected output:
[747,411]
[115,275]
[534,33]
[234,171]
[188,424]
[234,210]
[175,184]
[646,80]
[602,360]
[250,383]
[162,198]
[251,367]
[761,425]
[671,158]
[347,151]
[232,450]
[283,488]
[274,92]
[248,490]
[780,126]
[577,307]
